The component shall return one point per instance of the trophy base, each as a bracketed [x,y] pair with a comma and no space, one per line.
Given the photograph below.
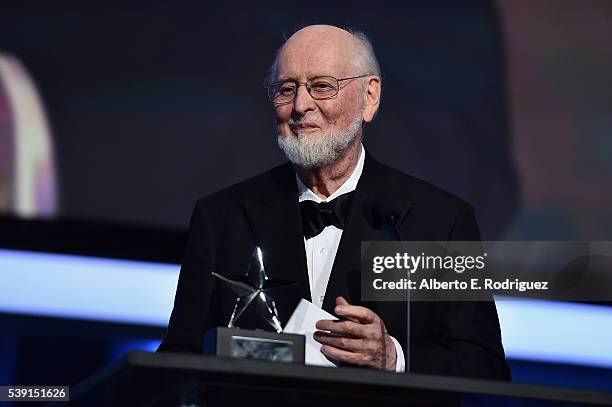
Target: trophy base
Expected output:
[255,344]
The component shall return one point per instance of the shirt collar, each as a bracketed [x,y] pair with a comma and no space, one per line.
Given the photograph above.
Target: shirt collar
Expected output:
[305,194]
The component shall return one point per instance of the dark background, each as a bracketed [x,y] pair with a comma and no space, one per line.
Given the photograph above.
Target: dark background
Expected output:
[153,104]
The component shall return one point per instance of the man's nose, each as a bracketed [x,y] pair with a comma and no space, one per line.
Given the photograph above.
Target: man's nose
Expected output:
[303,101]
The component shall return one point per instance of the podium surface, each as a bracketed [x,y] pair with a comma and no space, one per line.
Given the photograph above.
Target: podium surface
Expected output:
[166,379]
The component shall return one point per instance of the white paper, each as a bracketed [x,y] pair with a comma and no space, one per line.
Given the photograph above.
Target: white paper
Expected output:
[303,322]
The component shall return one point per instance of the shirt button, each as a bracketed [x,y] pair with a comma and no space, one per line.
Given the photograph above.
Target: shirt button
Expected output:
[322,251]
[321,298]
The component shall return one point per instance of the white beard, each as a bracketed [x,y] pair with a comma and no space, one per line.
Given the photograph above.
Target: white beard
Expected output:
[308,152]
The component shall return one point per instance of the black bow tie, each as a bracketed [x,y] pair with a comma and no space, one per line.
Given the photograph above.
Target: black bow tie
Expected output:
[316,216]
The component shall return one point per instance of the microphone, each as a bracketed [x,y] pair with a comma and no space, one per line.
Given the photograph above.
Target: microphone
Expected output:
[383,212]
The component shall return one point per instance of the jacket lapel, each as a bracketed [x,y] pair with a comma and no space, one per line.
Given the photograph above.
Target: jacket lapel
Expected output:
[345,279]
[275,223]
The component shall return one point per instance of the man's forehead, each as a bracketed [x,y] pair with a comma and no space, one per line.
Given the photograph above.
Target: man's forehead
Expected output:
[312,52]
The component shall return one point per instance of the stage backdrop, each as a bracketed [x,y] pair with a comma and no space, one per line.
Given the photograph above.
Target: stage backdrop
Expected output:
[153,105]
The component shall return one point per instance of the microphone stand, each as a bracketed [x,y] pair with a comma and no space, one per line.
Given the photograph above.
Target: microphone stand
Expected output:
[392,221]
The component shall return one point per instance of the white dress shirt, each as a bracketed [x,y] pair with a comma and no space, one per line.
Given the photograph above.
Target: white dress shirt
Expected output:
[321,249]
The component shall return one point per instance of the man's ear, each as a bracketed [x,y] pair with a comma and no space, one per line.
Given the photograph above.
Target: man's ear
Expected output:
[371,98]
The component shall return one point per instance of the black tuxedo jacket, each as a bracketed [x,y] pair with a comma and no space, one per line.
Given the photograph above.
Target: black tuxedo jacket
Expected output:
[448,338]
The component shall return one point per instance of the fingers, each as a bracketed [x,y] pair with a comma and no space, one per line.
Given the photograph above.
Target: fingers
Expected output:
[354,358]
[343,328]
[355,312]
[359,338]
[341,355]
[341,342]
[341,301]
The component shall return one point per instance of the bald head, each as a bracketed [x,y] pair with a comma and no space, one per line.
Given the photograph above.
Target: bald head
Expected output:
[322,33]
[350,52]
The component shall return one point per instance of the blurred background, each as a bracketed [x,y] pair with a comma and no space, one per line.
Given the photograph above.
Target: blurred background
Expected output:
[115,117]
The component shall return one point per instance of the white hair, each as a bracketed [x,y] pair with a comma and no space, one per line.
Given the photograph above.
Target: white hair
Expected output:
[364,60]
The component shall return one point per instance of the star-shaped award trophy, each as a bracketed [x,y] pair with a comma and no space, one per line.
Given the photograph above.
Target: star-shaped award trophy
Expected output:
[253,302]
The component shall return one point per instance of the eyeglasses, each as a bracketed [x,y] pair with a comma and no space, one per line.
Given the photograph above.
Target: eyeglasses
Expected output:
[319,87]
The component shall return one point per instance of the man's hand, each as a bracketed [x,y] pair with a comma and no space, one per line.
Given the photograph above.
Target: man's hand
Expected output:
[359,338]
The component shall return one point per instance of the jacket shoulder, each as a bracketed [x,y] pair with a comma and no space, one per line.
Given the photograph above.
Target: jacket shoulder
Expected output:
[421,192]
[434,214]
[258,185]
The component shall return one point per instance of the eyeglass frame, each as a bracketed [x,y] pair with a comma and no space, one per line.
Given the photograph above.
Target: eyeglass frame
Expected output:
[305,84]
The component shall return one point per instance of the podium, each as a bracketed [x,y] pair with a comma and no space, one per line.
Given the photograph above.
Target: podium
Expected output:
[166,379]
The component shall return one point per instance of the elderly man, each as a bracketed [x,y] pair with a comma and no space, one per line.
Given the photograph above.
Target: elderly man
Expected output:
[310,215]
